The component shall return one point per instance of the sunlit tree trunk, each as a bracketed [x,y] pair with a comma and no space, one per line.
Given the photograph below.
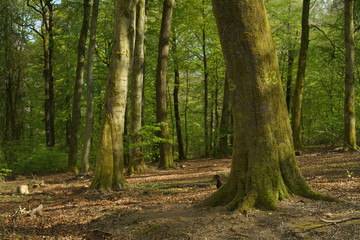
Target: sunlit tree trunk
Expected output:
[90,89]
[349,106]
[166,157]
[109,171]
[300,77]
[264,168]
[206,83]
[79,79]
[137,161]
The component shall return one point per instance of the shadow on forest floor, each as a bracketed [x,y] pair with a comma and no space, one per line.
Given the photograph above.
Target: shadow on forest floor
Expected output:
[159,204]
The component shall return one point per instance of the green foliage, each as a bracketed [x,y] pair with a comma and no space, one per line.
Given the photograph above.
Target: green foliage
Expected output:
[42,161]
[150,140]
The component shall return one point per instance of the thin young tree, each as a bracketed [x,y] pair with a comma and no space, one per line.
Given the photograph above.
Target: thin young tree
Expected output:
[166,157]
[137,161]
[176,101]
[264,168]
[46,9]
[300,77]
[349,104]
[79,79]
[109,171]
[225,121]
[90,89]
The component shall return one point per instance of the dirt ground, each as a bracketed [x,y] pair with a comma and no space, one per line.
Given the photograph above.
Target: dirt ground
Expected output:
[161,205]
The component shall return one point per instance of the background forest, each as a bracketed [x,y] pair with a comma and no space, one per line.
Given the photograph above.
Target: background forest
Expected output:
[29,49]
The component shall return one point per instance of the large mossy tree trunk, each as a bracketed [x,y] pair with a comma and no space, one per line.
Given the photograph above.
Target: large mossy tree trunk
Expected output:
[90,89]
[300,77]
[166,157]
[264,168]
[109,171]
[349,105]
[79,80]
[137,161]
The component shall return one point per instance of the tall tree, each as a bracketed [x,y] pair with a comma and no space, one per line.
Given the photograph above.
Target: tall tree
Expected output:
[137,161]
[264,168]
[46,9]
[349,105]
[79,79]
[109,171]
[206,82]
[90,88]
[166,157]
[176,101]
[300,77]
[12,69]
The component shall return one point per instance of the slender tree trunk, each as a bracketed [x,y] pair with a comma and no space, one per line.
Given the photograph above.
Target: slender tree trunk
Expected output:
[349,105]
[300,77]
[289,79]
[225,121]
[176,104]
[76,107]
[206,91]
[109,171]
[264,168]
[166,158]
[90,89]
[137,161]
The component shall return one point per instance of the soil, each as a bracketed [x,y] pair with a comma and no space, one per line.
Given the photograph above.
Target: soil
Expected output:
[161,204]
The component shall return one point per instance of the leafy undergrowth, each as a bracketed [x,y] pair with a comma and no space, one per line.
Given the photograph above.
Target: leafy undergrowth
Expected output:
[160,204]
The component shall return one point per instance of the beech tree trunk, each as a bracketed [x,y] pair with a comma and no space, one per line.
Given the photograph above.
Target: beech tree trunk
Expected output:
[349,105]
[176,104]
[300,77]
[264,168]
[109,171]
[79,79]
[137,161]
[166,157]
[90,89]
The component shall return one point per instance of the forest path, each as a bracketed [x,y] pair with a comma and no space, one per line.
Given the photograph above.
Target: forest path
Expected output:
[160,204]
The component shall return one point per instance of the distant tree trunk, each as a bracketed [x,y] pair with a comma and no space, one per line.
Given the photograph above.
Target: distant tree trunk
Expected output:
[166,157]
[109,171]
[90,89]
[289,78]
[225,121]
[176,103]
[76,107]
[300,77]
[264,168]
[137,161]
[206,87]
[349,105]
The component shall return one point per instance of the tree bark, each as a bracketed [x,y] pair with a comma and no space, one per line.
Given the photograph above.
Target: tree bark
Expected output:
[137,161]
[76,107]
[176,104]
[109,171]
[90,89]
[264,168]
[300,77]
[349,104]
[166,158]
[289,78]
[206,83]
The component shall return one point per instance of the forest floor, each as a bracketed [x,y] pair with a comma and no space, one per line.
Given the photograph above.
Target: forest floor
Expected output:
[161,205]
